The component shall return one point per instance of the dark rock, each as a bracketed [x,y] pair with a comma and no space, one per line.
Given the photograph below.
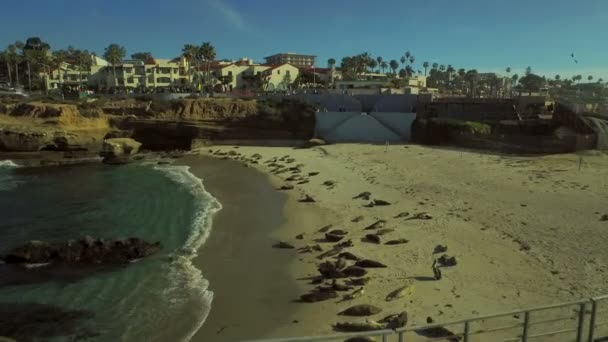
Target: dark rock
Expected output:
[445,260]
[312,174]
[162,162]
[117,160]
[303,181]
[310,249]
[85,251]
[440,249]
[361,310]
[329,183]
[283,245]
[373,238]
[429,320]
[286,187]
[604,218]
[381,203]
[338,232]
[331,252]
[402,214]
[300,236]
[354,271]
[318,296]
[376,225]
[368,263]
[397,242]
[363,196]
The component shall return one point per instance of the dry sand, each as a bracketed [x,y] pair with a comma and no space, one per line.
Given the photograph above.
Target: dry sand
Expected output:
[526,231]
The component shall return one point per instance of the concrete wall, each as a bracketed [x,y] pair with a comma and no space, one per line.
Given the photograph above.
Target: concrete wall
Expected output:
[336,127]
[396,103]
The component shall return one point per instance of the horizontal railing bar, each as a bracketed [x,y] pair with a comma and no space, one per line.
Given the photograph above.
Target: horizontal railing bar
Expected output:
[508,313]
[598,298]
[497,329]
[553,320]
[375,333]
[551,333]
[600,324]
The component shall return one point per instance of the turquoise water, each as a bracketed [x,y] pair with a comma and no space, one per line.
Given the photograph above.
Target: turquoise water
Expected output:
[161,298]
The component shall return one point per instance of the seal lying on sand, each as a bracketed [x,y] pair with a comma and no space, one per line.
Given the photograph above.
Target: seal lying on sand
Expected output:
[368,325]
[361,310]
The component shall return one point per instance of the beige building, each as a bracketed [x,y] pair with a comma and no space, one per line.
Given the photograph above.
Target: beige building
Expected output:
[291,58]
[130,74]
[135,74]
[245,74]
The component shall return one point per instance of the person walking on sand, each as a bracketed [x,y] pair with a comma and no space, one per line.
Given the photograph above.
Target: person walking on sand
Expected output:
[436,270]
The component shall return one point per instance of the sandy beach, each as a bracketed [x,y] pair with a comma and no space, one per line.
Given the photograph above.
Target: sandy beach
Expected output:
[525,231]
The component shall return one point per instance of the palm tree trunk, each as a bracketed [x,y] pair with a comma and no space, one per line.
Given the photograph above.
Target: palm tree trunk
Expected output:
[115,78]
[10,74]
[29,76]
[17,74]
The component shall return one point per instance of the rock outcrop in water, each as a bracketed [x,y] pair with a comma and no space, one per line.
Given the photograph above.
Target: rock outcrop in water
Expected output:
[119,150]
[83,251]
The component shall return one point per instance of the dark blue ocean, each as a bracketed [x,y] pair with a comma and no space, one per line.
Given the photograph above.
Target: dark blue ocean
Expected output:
[160,298]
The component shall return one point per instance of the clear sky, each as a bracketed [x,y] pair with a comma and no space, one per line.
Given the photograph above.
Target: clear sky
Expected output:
[485,34]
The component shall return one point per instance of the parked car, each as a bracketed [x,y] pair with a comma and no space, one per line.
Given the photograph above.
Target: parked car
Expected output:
[11,91]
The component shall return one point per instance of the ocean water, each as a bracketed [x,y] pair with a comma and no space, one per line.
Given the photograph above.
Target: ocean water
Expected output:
[159,298]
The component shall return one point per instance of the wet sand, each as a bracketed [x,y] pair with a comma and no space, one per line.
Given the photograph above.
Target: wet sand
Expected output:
[253,289]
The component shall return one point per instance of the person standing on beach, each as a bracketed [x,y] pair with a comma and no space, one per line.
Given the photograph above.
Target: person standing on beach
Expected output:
[436,270]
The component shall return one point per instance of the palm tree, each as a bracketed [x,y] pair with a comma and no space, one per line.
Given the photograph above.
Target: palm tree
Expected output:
[435,66]
[442,67]
[207,52]
[8,59]
[589,78]
[528,70]
[379,60]
[28,56]
[412,59]
[450,70]
[600,80]
[407,54]
[331,62]
[403,60]
[59,57]
[394,65]
[19,46]
[557,77]
[114,54]
[508,70]
[384,66]
[189,52]
[471,77]
[425,65]
[83,61]
[372,64]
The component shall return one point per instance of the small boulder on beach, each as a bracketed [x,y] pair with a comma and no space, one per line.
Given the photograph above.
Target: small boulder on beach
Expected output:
[364,196]
[368,263]
[373,238]
[307,199]
[376,225]
[396,242]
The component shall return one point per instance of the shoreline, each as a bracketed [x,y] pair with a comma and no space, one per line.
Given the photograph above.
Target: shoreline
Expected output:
[251,281]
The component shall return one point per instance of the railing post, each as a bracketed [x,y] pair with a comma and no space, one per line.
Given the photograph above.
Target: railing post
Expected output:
[592,319]
[384,337]
[524,336]
[466,331]
[581,321]
[401,336]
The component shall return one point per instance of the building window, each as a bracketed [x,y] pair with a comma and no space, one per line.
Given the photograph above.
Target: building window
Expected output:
[278,72]
[165,70]
[229,73]
[163,80]
[128,70]
[287,73]
[151,79]
[130,80]
[149,70]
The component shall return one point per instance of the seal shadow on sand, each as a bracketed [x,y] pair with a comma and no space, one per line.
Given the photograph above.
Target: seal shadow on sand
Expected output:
[40,322]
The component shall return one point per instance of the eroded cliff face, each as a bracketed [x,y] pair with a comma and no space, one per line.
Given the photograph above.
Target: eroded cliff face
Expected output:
[35,126]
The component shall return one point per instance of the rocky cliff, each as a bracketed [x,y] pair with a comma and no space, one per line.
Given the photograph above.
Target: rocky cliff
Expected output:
[157,124]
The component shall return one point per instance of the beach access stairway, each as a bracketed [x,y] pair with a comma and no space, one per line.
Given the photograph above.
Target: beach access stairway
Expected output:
[583,320]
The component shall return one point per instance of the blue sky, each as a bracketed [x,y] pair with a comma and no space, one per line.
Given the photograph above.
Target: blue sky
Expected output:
[485,34]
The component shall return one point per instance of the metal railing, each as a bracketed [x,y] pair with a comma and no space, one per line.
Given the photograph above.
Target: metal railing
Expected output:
[580,321]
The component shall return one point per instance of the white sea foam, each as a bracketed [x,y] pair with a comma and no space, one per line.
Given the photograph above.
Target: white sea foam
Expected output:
[183,273]
[8,163]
